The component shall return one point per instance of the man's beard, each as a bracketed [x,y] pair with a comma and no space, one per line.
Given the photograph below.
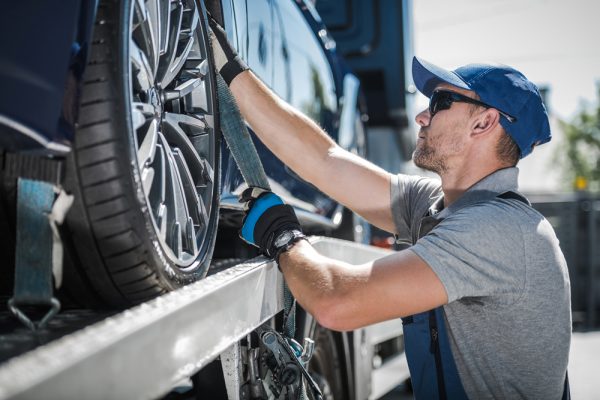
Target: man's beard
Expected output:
[426,157]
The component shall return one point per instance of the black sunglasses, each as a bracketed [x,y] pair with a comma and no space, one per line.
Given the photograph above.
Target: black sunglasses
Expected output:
[443,99]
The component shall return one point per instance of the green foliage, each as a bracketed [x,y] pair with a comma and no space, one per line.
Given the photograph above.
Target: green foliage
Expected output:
[582,152]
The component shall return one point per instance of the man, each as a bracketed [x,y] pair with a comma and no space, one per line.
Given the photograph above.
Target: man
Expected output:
[484,291]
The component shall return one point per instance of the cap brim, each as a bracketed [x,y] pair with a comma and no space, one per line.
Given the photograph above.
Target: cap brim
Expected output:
[428,76]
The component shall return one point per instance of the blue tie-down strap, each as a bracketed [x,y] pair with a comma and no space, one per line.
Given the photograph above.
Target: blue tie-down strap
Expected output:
[244,153]
[238,138]
[34,257]
[433,372]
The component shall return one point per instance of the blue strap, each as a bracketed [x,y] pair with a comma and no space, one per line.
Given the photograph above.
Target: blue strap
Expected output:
[433,372]
[33,261]
[238,138]
[244,153]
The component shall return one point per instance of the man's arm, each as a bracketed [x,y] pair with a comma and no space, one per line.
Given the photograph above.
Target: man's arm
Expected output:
[345,297]
[311,153]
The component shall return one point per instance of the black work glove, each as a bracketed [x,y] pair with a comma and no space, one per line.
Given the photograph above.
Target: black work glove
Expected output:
[269,223]
[227,61]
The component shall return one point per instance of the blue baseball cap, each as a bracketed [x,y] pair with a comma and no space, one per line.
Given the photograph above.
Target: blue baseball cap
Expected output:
[500,87]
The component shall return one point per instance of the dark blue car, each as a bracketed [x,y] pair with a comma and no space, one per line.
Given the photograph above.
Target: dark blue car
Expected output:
[115,101]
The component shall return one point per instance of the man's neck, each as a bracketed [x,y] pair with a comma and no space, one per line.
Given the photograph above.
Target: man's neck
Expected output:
[456,183]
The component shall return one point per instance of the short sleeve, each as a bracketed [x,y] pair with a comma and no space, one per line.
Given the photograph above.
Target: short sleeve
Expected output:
[411,198]
[477,252]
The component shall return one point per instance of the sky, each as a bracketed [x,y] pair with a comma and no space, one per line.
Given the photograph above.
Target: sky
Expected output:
[553,42]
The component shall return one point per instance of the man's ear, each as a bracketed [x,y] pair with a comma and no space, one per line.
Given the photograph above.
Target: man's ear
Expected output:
[484,122]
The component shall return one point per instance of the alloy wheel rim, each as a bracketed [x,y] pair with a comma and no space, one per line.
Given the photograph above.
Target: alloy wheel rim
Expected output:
[172,109]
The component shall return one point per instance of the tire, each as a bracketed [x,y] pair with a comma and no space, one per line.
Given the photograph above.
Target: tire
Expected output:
[328,365]
[146,166]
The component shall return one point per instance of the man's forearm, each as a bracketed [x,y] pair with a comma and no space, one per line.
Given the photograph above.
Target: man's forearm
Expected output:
[323,286]
[311,153]
[342,296]
[290,135]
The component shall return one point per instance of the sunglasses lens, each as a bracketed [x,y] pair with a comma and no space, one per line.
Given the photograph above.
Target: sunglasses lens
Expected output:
[439,101]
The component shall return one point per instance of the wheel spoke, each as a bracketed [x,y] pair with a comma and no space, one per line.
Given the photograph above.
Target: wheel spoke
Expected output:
[161,221]
[171,50]
[147,179]
[157,192]
[200,99]
[176,200]
[194,18]
[142,71]
[190,237]
[138,118]
[189,191]
[208,174]
[147,149]
[155,23]
[202,145]
[165,21]
[144,33]
[139,14]
[177,63]
[185,41]
[187,125]
[170,196]
[196,66]
[175,239]
[146,109]
[182,90]
[172,130]
[203,213]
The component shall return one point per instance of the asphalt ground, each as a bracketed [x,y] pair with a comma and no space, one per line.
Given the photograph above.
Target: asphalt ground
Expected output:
[584,369]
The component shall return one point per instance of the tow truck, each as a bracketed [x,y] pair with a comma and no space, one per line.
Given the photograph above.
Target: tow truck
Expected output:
[196,338]
[206,339]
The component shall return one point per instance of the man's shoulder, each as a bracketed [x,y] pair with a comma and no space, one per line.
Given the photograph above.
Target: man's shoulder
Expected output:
[415,187]
[495,223]
[411,197]
[418,181]
[500,212]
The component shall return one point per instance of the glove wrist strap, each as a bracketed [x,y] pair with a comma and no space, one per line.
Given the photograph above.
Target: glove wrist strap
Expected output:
[233,68]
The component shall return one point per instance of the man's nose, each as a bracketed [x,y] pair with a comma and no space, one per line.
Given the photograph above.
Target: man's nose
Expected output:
[423,118]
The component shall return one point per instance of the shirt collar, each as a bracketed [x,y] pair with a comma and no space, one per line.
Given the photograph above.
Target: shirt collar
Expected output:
[498,182]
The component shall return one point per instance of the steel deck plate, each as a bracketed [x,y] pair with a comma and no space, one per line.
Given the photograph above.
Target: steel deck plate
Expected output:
[145,351]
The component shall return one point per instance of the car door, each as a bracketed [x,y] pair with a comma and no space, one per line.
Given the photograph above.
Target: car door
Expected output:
[306,81]
[303,77]
[285,53]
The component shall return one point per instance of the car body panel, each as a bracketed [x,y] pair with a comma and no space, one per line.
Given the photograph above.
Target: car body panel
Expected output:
[44,48]
[309,75]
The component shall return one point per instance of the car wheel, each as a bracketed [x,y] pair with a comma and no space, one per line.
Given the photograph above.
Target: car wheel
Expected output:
[146,164]
[326,364]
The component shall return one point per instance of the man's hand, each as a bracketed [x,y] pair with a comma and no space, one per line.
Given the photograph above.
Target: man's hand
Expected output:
[269,224]
[227,61]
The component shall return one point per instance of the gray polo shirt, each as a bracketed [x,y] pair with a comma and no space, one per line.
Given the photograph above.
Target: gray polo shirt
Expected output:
[509,312]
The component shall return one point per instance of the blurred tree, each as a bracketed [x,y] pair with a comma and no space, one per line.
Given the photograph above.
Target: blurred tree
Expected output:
[581,157]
